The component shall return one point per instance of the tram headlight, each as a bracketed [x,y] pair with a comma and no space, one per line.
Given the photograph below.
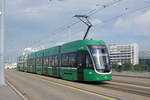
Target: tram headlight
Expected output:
[105,77]
[90,73]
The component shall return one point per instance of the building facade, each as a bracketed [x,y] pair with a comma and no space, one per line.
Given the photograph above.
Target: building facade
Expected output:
[124,53]
[144,56]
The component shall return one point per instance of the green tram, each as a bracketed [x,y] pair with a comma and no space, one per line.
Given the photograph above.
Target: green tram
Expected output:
[81,60]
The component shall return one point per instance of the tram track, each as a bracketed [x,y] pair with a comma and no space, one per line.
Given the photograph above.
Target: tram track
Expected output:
[124,87]
[133,76]
[69,86]
[135,80]
[129,88]
[132,83]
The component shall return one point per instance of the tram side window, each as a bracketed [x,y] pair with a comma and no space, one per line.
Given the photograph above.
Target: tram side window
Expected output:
[45,61]
[39,61]
[69,60]
[65,60]
[81,59]
[88,61]
[55,61]
[72,60]
[25,63]
[50,61]
[30,62]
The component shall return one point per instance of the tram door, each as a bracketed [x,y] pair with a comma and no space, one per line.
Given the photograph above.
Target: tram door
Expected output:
[80,64]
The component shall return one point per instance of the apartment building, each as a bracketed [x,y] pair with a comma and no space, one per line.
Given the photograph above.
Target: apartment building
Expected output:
[124,53]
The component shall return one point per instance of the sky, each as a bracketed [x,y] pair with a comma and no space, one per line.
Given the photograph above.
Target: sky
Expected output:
[43,23]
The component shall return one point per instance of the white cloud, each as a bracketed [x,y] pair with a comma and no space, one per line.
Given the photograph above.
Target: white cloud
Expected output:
[137,24]
[36,12]
[60,43]
[31,11]
[40,17]
[143,23]
[21,9]
[96,22]
[123,25]
[143,19]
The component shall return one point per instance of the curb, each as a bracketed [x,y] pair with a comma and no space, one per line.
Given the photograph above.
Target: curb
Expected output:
[17,91]
[131,76]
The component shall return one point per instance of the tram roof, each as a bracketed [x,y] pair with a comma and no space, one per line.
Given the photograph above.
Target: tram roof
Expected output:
[86,42]
[80,45]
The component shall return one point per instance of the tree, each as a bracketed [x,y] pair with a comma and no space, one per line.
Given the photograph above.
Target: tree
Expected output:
[115,66]
[127,66]
[142,67]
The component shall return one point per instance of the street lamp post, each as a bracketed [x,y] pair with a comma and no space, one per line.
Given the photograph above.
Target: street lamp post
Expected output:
[2,66]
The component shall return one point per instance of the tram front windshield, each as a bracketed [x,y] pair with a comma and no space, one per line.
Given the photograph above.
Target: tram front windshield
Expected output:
[100,57]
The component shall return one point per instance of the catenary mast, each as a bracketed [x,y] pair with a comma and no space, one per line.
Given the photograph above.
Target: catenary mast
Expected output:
[2,31]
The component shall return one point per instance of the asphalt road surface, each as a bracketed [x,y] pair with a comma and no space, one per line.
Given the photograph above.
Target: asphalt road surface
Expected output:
[35,88]
[131,80]
[38,87]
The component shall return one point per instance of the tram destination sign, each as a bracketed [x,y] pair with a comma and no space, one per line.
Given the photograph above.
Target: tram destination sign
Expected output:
[97,46]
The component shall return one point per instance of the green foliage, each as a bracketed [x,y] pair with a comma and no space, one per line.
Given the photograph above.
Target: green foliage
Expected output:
[142,67]
[115,67]
[127,66]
